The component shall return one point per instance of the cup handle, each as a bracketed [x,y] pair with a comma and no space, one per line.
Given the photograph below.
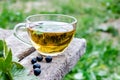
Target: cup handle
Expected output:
[16,29]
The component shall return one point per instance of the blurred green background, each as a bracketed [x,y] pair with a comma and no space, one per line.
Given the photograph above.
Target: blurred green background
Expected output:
[101,60]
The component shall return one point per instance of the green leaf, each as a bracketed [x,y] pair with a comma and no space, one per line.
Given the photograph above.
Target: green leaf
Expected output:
[1,45]
[1,64]
[19,73]
[5,53]
[9,75]
[6,75]
[8,59]
[1,48]
[18,65]
[3,76]
[11,70]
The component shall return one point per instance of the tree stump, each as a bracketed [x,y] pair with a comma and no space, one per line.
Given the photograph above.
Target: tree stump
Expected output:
[59,66]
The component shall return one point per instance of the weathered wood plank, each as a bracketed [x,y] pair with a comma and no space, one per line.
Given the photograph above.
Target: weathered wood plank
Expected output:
[55,70]
[19,49]
[61,64]
[5,33]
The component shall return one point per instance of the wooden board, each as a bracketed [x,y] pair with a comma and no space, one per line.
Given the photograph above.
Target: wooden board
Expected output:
[55,70]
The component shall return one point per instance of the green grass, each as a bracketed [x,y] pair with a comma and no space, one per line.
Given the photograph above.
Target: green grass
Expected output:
[101,60]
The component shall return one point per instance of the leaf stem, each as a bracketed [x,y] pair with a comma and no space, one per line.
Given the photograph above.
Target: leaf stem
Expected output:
[9,75]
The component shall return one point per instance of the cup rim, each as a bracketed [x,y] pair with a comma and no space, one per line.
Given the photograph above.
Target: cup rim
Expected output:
[73,22]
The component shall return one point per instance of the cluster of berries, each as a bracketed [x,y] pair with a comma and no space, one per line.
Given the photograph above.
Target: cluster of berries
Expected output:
[36,66]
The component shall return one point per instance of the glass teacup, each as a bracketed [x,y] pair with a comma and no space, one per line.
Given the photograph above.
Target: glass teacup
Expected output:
[50,34]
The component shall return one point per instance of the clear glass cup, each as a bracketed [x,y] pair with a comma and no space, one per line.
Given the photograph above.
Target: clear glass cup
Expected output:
[49,34]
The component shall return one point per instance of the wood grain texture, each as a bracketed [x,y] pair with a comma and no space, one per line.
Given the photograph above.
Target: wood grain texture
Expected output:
[5,33]
[61,64]
[55,70]
[19,49]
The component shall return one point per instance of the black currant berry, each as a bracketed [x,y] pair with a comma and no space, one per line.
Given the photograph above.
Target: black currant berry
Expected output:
[48,59]
[34,60]
[39,58]
[37,71]
[36,65]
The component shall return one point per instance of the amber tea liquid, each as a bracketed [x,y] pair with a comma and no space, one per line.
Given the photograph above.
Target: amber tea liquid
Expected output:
[49,37]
